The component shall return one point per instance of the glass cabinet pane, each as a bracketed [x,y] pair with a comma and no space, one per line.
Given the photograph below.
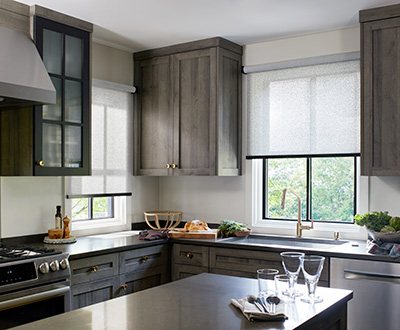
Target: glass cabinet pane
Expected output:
[73,146]
[73,57]
[52,145]
[52,51]
[53,111]
[73,101]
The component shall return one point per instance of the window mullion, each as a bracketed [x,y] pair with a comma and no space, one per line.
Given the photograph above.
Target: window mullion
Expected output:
[309,189]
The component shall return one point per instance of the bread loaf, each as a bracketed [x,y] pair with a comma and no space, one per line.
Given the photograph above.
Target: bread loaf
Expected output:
[196,225]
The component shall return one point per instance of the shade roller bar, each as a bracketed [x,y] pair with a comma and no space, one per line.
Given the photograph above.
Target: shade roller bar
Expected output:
[303,156]
[310,110]
[100,195]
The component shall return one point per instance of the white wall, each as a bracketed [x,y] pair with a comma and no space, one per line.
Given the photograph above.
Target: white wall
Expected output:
[28,204]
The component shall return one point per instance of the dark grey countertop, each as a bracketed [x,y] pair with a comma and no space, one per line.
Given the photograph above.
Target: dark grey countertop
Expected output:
[100,244]
[120,241]
[195,303]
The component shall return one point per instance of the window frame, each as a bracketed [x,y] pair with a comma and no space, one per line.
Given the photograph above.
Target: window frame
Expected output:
[111,214]
[264,183]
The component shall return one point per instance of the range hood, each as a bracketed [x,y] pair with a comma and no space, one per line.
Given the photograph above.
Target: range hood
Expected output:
[24,80]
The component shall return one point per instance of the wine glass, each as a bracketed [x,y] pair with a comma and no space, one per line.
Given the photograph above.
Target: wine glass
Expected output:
[291,262]
[312,268]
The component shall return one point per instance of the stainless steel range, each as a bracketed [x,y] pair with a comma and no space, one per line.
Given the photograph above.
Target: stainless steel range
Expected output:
[34,284]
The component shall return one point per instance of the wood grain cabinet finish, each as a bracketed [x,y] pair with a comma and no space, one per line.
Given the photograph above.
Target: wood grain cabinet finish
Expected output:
[188,109]
[380,95]
[99,278]
[244,263]
[188,260]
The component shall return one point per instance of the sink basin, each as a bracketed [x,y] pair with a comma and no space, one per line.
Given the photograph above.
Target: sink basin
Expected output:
[286,241]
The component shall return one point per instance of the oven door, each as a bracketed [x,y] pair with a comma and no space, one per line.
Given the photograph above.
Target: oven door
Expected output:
[33,304]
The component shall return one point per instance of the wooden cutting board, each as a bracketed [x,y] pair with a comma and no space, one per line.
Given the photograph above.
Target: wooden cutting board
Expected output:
[182,233]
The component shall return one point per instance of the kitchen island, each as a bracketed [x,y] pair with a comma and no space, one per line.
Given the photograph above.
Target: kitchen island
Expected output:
[198,302]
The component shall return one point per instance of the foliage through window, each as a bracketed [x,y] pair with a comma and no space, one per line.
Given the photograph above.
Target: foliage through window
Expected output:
[326,186]
[92,208]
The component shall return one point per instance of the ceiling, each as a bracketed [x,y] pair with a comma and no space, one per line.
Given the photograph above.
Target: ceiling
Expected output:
[135,25]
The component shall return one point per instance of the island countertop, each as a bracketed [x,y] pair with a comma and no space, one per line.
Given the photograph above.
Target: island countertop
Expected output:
[198,302]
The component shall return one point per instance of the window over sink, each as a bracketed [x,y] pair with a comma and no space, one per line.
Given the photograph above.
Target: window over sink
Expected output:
[304,134]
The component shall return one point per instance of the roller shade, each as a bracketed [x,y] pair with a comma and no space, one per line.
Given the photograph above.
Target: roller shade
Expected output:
[112,150]
[304,111]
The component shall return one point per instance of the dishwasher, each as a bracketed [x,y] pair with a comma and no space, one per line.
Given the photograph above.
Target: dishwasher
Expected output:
[376,287]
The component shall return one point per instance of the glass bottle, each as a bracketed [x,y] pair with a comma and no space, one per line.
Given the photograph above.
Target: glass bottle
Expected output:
[58,217]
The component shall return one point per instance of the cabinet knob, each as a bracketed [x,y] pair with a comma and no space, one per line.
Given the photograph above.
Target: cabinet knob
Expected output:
[40,163]
[124,286]
[95,269]
[189,255]
[174,166]
[145,258]
[168,165]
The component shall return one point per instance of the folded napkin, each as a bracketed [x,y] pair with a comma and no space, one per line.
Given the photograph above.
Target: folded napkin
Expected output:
[150,235]
[385,248]
[251,312]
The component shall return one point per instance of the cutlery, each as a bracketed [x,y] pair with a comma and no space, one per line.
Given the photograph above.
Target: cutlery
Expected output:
[254,300]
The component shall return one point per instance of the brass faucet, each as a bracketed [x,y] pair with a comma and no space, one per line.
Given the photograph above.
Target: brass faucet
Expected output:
[299,226]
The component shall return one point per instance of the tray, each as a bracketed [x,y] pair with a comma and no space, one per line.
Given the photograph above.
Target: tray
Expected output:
[70,240]
[182,233]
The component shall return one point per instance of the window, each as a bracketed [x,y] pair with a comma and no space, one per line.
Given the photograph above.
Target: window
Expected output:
[326,186]
[92,208]
[100,202]
[303,123]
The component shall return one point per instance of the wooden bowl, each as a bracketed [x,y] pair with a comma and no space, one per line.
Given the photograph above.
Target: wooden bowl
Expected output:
[241,233]
[55,233]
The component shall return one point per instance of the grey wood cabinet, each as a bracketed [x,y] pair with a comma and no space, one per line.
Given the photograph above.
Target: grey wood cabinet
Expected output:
[380,96]
[244,263]
[103,277]
[188,109]
[188,260]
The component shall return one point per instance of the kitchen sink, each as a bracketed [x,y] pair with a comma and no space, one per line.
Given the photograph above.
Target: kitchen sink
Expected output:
[286,241]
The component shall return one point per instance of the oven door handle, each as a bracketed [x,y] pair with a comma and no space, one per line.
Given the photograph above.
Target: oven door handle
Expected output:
[12,303]
[362,275]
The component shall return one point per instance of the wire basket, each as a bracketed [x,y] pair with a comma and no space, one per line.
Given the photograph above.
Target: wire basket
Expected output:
[172,219]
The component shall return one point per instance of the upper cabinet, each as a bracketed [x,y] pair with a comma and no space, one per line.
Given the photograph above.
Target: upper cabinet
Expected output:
[380,95]
[53,140]
[188,109]
[62,131]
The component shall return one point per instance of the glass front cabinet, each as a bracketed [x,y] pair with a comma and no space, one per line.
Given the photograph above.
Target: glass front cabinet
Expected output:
[62,130]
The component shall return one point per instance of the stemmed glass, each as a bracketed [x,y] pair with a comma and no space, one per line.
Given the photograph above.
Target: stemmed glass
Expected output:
[291,262]
[312,268]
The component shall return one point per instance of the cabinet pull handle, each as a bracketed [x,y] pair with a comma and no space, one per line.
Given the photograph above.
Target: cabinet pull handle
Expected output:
[174,166]
[168,165]
[95,269]
[189,255]
[40,163]
[145,258]
[124,286]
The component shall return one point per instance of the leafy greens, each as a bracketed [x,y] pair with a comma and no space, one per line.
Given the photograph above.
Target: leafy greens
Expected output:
[373,220]
[230,226]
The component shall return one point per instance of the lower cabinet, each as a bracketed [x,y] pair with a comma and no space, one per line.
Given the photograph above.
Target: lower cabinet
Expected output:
[244,263]
[188,260]
[100,278]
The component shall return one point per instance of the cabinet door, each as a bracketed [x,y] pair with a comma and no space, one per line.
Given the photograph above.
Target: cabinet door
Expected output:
[138,281]
[195,109]
[380,152]
[62,131]
[153,117]
[94,292]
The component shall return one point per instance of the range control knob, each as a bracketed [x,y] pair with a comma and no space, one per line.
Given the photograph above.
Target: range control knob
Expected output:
[64,264]
[44,268]
[54,265]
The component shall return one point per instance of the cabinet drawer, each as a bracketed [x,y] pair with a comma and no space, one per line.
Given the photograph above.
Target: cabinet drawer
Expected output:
[141,259]
[186,254]
[145,279]
[93,268]
[94,292]
[245,263]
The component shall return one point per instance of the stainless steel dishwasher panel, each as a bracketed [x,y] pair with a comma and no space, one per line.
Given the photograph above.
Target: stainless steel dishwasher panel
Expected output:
[376,287]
